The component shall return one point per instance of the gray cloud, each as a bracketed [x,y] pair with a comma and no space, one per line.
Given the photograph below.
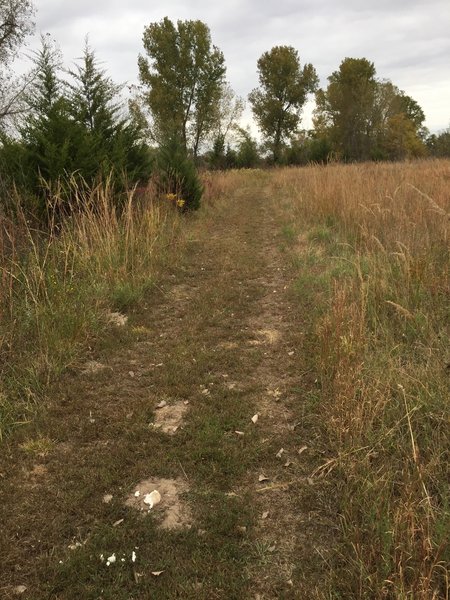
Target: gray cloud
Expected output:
[408,40]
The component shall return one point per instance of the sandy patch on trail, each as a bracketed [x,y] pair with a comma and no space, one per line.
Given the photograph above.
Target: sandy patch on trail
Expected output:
[32,476]
[228,345]
[266,336]
[172,511]
[182,291]
[169,418]
[92,367]
[117,319]
[270,336]
[38,471]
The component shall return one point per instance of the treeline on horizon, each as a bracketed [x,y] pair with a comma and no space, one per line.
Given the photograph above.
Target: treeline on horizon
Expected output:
[57,124]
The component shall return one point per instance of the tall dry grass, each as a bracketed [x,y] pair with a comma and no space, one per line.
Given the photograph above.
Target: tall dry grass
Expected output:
[57,285]
[378,241]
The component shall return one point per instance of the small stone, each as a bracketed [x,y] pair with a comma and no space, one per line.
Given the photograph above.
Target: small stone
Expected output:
[20,589]
[75,546]
[152,499]
[111,560]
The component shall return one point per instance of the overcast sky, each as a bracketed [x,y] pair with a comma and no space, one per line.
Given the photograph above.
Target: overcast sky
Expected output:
[408,40]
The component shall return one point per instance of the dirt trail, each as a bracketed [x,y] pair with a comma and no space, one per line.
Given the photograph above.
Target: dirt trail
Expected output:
[171,399]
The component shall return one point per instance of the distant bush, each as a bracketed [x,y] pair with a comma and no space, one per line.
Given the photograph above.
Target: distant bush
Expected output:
[247,156]
[439,144]
[307,149]
[177,177]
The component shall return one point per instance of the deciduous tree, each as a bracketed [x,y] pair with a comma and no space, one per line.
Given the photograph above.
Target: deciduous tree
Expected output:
[15,24]
[182,76]
[281,95]
[228,112]
[364,117]
[345,109]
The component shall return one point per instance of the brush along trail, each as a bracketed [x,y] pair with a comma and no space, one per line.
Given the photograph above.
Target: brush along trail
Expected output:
[199,397]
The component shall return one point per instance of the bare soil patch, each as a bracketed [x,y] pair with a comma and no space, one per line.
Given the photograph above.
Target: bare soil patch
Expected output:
[270,336]
[92,367]
[117,319]
[172,511]
[169,418]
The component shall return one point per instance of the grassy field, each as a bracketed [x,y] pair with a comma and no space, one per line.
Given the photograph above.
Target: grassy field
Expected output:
[314,301]
[371,244]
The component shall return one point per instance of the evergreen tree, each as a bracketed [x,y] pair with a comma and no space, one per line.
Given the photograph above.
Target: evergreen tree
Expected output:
[93,96]
[114,141]
[217,156]
[54,145]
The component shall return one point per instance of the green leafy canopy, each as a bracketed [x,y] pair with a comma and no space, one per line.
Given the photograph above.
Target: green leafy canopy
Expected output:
[183,76]
[283,90]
